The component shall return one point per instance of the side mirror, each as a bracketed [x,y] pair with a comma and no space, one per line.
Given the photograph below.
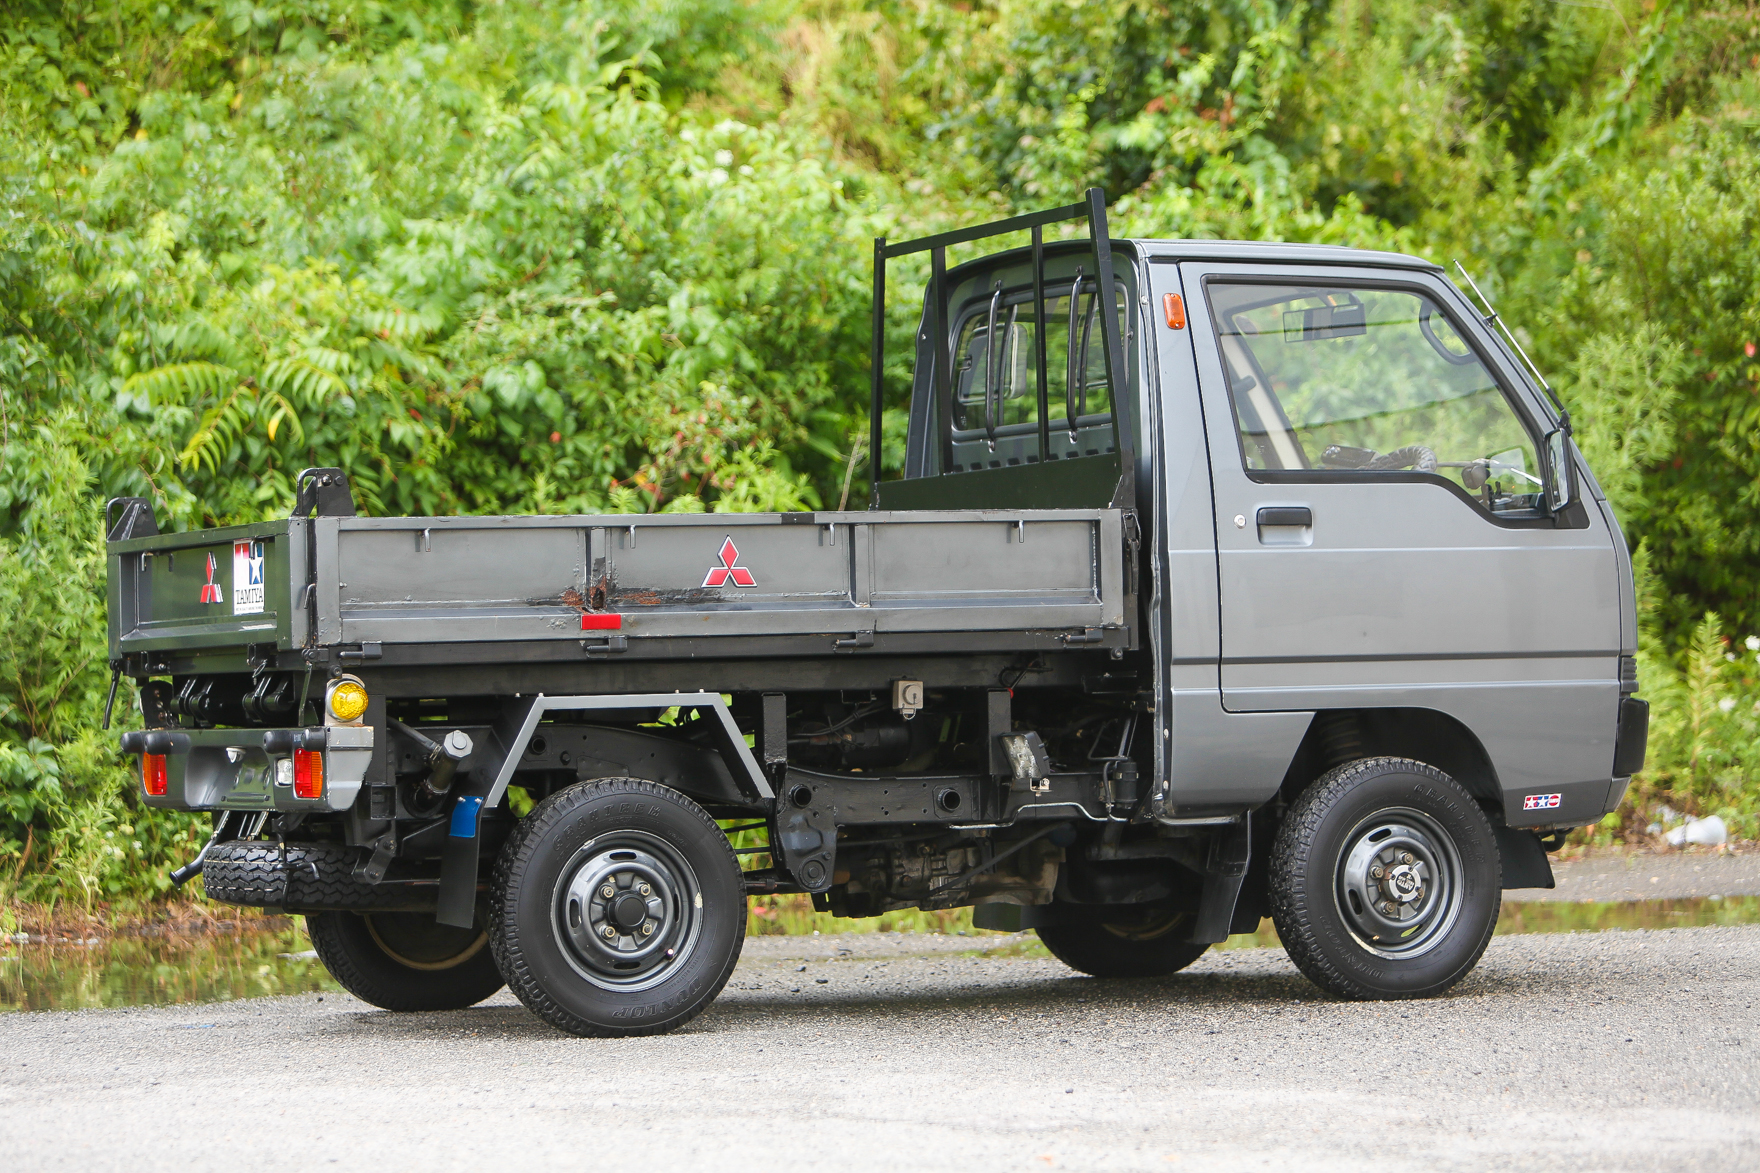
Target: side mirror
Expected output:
[1561,472]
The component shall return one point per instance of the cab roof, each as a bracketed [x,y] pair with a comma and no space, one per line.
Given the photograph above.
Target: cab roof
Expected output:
[1274,252]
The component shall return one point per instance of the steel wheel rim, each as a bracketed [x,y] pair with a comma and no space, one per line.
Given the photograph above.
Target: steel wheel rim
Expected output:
[634,937]
[1399,883]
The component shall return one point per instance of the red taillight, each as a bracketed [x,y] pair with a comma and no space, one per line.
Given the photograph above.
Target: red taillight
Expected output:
[308,773]
[155,779]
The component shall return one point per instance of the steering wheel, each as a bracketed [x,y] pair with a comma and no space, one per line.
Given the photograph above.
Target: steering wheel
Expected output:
[1412,456]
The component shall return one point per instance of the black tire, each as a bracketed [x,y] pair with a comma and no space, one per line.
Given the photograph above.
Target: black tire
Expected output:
[405,960]
[316,876]
[1385,881]
[677,910]
[1150,945]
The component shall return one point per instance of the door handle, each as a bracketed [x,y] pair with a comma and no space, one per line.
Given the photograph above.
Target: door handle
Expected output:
[1286,515]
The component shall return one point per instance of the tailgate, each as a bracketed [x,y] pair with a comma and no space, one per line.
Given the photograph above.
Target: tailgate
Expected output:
[207,589]
[424,580]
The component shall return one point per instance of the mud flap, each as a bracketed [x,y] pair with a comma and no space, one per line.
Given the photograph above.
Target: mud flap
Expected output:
[1524,860]
[458,863]
[1225,872]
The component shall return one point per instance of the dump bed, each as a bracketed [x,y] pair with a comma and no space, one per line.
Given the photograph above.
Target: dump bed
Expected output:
[798,578]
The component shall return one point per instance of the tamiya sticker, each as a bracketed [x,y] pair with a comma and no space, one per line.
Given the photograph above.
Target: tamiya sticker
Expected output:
[211,589]
[1541,802]
[247,578]
[729,569]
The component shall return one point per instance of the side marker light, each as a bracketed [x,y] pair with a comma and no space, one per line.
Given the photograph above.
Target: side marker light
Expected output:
[1175,309]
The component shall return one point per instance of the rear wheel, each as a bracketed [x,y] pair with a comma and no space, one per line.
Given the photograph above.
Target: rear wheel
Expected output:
[1385,880]
[617,908]
[1151,944]
[404,960]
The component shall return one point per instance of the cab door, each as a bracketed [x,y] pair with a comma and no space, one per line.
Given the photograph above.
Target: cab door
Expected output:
[1383,538]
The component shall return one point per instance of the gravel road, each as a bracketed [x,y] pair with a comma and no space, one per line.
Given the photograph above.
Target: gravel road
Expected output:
[1618,1050]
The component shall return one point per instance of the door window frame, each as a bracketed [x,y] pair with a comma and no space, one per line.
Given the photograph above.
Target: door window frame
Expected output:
[1303,278]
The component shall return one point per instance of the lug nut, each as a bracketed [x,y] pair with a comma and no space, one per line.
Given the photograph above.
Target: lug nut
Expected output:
[644,890]
[648,929]
[1405,857]
[1389,907]
[608,891]
[1377,871]
[609,933]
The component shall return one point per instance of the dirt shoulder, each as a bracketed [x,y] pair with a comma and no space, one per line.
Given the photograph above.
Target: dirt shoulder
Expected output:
[1644,875]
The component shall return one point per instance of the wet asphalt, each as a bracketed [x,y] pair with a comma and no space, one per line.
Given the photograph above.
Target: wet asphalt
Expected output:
[1604,1051]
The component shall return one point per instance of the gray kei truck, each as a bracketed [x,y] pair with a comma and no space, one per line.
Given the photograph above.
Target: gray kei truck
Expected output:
[1223,580]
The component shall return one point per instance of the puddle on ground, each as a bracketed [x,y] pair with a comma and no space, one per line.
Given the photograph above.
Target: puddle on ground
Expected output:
[158,970]
[277,958]
[1595,917]
[1585,917]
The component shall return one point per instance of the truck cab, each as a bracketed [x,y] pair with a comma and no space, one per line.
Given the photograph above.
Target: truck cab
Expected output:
[1223,580]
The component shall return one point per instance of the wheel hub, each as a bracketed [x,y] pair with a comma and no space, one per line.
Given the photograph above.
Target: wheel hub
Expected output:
[1399,882]
[627,910]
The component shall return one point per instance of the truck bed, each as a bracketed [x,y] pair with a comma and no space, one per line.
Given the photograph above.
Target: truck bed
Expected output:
[624,584]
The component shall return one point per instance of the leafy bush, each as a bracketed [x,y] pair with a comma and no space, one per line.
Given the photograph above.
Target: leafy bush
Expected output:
[565,256]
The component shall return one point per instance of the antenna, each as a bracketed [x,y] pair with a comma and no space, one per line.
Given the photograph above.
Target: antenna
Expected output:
[1492,318]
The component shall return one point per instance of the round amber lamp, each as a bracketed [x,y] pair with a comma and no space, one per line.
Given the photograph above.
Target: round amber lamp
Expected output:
[348,701]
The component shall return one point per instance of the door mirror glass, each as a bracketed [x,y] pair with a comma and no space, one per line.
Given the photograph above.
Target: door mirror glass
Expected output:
[1559,469]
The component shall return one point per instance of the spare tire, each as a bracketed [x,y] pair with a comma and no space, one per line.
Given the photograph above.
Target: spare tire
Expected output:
[316,877]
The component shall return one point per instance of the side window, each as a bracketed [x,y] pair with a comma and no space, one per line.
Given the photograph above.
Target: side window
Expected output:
[1336,380]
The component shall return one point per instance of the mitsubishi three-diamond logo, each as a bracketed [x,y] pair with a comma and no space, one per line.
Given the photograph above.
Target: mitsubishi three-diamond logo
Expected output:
[211,589]
[720,575]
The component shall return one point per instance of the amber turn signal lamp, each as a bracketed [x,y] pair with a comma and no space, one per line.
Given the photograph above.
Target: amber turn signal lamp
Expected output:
[348,700]
[308,773]
[155,779]
[1175,310]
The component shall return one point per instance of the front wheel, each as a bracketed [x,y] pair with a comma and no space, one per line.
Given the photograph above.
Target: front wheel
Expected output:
[404,960]
[1385,880]
[617,908]
[1150,944]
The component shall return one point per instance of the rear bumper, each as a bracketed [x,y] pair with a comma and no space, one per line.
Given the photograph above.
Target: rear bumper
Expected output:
[235,769]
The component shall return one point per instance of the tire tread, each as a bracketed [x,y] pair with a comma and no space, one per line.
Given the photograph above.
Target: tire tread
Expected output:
[364,971]
[503,913]
[249,872]
[1292,856]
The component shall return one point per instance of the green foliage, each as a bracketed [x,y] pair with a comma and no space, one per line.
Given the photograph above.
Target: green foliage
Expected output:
[70,824]
[567,256]
[1705,732]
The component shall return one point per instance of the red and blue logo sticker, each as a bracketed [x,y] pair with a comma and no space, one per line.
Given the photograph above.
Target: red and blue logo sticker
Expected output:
[1541,802]
[247,579]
